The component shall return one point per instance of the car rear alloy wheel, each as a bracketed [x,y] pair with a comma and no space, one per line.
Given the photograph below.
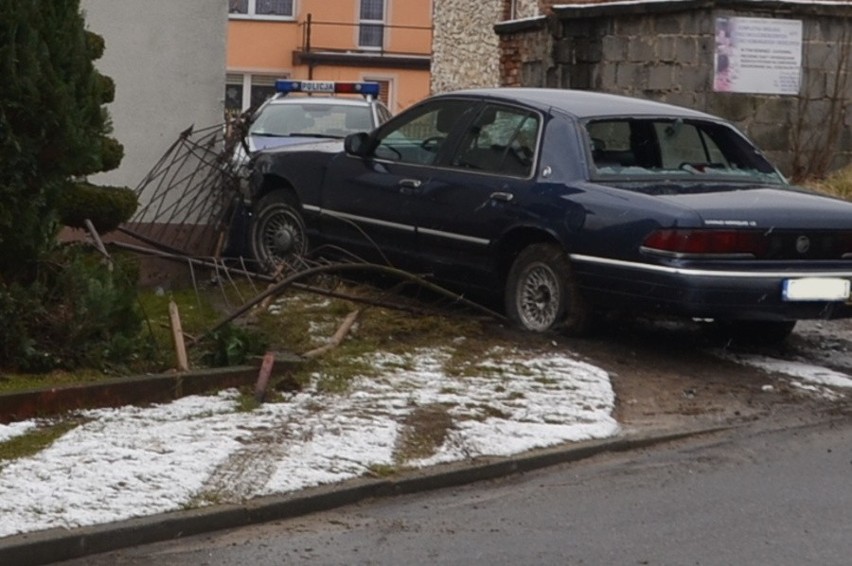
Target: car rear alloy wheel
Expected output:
[540,294]
[278,232]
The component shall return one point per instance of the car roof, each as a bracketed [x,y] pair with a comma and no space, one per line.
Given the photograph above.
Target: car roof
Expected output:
[313,99]
[584,103]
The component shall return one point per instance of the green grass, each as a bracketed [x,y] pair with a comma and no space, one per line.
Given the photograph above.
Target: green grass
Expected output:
[35,440]
[302,322]
[198,312]
[296,322]
[13,382]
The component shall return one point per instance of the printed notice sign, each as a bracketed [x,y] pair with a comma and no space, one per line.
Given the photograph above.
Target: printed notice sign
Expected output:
[758,55]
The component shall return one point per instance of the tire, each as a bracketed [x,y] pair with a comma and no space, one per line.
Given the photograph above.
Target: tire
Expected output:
[540,293]
[754,332]
[278,233]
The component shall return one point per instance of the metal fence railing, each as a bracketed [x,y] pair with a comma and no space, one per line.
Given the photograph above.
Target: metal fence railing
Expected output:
[368,37]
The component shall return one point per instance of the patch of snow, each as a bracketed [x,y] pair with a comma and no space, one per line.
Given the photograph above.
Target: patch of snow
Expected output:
[817,390]
[134,461]
[11,430]
[808,372]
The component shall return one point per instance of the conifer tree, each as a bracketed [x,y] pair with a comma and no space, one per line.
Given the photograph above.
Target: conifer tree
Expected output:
[53,124]
[60,306]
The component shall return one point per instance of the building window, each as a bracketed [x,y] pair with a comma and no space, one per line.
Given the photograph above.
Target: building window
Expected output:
[371,24]
[262,8]
[233,94]
[244,91]
[384,88]
[262,87]
[520,9]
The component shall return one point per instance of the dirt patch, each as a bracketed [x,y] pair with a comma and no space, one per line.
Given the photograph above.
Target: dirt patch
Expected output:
[675,375]
[671,375]
[424,431]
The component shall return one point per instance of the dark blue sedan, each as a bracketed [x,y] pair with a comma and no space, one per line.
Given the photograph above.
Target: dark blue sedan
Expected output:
[565,204]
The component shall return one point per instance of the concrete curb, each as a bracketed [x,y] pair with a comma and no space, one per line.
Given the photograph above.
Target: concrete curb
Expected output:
[155,388]
[54,545]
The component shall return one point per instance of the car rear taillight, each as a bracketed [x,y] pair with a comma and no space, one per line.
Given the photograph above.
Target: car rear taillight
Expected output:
[703,242]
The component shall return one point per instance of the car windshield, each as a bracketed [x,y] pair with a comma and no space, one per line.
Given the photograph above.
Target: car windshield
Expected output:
[311,119]
[655,149]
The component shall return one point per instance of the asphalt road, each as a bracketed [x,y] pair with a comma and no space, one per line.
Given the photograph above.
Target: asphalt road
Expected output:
[776,493]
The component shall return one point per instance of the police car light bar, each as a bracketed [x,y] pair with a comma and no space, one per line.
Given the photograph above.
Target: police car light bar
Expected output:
[332,87]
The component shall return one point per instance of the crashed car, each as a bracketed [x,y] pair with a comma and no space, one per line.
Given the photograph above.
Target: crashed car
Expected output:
[300,112]
[564,204]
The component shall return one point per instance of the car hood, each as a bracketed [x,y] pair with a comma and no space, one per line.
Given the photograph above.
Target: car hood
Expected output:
[257,143]
[766,207]
[324,145]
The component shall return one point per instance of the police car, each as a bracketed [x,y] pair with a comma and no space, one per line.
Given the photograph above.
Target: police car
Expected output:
[319,111]
[302,112]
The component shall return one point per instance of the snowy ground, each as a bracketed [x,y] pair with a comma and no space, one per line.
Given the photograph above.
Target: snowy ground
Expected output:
[202,450]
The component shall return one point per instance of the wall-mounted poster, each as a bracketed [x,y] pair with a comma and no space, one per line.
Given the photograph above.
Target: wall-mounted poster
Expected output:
[758,55]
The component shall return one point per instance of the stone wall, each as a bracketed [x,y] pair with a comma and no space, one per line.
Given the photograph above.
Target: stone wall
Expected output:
[664,51]
[465,51]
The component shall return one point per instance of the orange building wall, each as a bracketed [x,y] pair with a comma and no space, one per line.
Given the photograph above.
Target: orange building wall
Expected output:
[266,47]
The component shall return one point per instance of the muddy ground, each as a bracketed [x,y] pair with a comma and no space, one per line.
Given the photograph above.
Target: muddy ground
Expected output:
[669,375]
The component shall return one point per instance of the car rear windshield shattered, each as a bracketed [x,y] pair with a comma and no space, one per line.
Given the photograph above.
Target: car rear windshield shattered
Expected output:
[675,149]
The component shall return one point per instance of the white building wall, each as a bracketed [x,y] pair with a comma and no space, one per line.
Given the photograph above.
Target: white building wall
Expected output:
[167,58]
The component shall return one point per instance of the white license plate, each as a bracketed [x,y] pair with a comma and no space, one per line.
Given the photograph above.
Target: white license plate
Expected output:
[816,289]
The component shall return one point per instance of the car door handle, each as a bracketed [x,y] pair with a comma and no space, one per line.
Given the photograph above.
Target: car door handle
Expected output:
[502,196]
[409,186]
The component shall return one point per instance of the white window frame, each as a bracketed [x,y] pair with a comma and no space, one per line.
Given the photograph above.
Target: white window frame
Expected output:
[247,82]
[383,22]
[391,80]
[252,15]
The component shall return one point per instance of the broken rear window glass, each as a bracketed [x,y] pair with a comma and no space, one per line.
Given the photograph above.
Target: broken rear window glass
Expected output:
[675,148]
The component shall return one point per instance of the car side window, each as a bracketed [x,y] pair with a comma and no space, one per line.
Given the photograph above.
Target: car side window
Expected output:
[419,138]
[384,113]
[500,140]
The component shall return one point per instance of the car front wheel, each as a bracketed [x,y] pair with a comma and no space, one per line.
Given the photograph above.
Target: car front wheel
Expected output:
[540,293]
[278,232]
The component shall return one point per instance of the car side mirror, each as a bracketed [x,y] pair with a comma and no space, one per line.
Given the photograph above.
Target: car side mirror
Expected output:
[357,144]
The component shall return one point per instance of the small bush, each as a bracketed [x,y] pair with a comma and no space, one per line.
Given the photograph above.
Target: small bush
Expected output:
[107,207]
[79,312]
[837,184]
[19,307]
[232,345]
[112,152]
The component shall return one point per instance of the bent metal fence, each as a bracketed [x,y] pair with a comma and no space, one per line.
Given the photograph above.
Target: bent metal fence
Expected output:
[188,198]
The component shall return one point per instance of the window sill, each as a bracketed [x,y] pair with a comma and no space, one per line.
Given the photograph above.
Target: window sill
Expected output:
[262,18]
